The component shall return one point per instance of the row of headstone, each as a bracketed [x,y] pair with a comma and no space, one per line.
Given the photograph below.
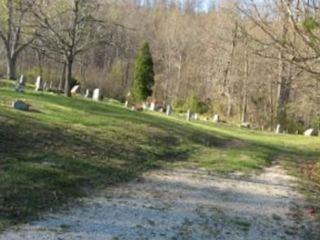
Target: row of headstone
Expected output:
[96,94]
[195,116]
[309,132]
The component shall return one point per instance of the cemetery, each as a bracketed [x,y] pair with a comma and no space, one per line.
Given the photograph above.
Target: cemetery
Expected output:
[166,120]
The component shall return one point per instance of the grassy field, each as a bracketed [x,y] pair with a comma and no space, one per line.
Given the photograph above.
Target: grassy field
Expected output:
[66,148]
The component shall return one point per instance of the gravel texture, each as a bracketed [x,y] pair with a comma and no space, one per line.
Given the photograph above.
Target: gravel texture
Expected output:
[181,204]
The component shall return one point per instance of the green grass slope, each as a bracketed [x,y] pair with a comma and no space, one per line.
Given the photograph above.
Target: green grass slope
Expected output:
[65,148]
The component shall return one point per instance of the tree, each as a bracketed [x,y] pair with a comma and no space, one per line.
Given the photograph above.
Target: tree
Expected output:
[143,74]
[68,28]
[14,31]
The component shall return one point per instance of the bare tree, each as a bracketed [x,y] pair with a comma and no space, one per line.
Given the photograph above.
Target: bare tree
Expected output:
[15,31]
[68,28]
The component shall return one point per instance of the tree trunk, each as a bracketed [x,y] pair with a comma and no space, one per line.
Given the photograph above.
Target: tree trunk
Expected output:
[245,89]
[11,67]
[284,78]
[271,102]
[67,92]
[283,93]
[63,77]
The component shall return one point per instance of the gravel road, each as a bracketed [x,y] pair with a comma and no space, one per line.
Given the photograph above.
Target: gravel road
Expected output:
[182,204]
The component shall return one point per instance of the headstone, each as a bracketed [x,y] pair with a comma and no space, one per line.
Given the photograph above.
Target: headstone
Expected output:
[196,116]
[145,105]
[310,132]
[75,90]
[126,104]
[189,115]
[278,129]
[169,110]
[245,125]
[153,106]
[97,96]
[88,93]
[45,86]
[216,118]
[20,105]
[22,80]
[39,84]
[21,84]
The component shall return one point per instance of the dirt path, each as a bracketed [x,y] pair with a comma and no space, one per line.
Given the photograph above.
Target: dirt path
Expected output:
[181,204]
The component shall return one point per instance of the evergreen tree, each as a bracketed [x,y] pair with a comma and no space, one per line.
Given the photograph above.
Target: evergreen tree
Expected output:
[143,79]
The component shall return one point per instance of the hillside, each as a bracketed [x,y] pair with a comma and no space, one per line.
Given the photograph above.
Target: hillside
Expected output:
[67,148]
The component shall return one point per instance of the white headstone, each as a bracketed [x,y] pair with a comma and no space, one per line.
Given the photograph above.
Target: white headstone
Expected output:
[75,90]
[278,129]
[169,110]
[39,84]
[126,104]
[245,125]
[88,93]
[310,132]
[153,106]
[22,80]
[216,118]
[196,116]
[189,115]
[145,105]
[21,84]
[97,94]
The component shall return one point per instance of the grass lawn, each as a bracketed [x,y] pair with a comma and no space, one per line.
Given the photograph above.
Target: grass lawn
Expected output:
[66,148]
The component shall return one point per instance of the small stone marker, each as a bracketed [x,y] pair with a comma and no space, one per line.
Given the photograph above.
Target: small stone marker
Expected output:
[153,106]
[278,129]
[145,106]
[88,93]
[126,104]
[310,132]
[97,94]
[39,84]
[21,84]
[245,125]
[189,115]
[20,105]
[216,118]
[75,90]
[196,116]
[169,110]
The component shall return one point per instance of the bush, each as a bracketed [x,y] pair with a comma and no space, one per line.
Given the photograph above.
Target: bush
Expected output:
[195,105]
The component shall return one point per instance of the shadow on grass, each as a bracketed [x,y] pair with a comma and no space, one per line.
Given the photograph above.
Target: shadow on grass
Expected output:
[44,163]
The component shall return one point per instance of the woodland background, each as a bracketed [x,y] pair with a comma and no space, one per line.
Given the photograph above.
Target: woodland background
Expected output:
[249,61]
